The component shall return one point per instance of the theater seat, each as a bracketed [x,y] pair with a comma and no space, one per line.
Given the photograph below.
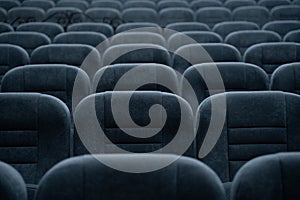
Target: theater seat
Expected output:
[5,28]
[165,123]
[270,55]
[48,28]
[56,80]
[213,15]
[192,179]
[149,27]
[286,78]
[45,5]
[12,186]
[256,124]
[203,53]
[233,4]
[27,40]
[11,56]
[257,14]
[106,78]
[20,15]
[80,37]
[136,53]
[235,76]
[173,15]
[198,4]
[282,27]
[106,4]
[242,40]
[35,134]
[289,12]
[292,36]
[271,177]
[103,28]
[273,3]
[64,16]
[130,15]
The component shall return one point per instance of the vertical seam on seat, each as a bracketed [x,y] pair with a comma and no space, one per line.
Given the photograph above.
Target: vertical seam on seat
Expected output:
[281,176]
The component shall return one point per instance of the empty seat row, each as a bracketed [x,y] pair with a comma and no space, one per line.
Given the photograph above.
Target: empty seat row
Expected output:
[209,15]
[244,124]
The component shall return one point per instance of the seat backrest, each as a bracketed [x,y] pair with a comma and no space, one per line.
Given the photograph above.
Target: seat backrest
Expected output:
[172,15]
[48,28]
[171,4]
[236,76]
[132,37]
[44,79]
[256,123]
[138,25]
[136,53]
[84,37]
[82,5]
[188,26]
[107,78]
[281,168]
[178,40]
[17,16]
[202,53]
[12,185]
[296,2]
[35,131]
[191,178]
[225,28]
[139,15]
[273,3]
[289,12]
[147,133]
[12,56]
[110,16]
[45,5]
[271,55]
[292,36]
[233,4]
[139,4]
[286,78]
[106,4]
[3,15]
[70,54]
[213,15]
[8,4]
[64,16]
[5,27]
[103,28]
[197,4]
[282,27]
[257,14]
[242,40]
[27,40]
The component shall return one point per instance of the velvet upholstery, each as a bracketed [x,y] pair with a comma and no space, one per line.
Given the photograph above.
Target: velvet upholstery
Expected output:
[152,27]
[271,55]
[103,28]
[213,15]
[45,5]
[82,5]
[257,14]
[273,3]
[35,134]
[225,28]
[132,37]
[64,16]
[188,26]
[139,4]
[197,4]
[257,123]
[286,78]
[178,40]
[11,56]
[84,37]
[242,40]
[12,185]
[104,15]
[233,4]
[19,15]
[282,27]
[27,40]
[90,179]
[5,27]
[107,78]
[171,4]
[106,4]
[48,28]
[271,177]
[56,80]
[139,15]
[7,4]
[173,15]
[3,15]
[289,12]
[136,53]
[139,105]
[217,53]
[292,36]
[236,76]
